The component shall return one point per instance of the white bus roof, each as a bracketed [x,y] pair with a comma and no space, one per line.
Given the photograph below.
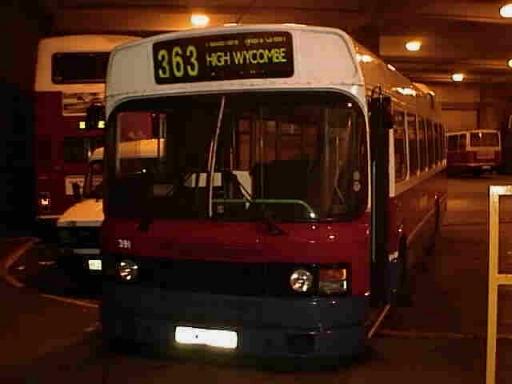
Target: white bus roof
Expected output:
[71,43]
[324,59]
[137,149]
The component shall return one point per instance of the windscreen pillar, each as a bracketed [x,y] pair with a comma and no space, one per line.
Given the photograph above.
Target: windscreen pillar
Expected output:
[380,123]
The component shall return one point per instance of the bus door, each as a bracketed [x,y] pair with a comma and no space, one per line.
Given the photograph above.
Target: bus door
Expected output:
[381,121]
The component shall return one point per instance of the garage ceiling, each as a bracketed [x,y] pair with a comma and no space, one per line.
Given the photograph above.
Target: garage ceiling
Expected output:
[457,36]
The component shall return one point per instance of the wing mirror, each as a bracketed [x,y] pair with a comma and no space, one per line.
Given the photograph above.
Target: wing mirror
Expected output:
[95,116]
[77,194]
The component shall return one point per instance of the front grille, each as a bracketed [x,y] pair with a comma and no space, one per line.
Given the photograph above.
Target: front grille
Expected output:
[247,279]
[79,237]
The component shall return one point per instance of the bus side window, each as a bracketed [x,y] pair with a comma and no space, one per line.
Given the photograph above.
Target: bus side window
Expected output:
[400,146]
[413,143]
[443,142]
[462,142]
[437,136]
[431,146]
[453,143]
[422,141]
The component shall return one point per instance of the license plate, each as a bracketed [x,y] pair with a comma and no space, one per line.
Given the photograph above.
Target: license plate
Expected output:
[210,337]
[94,265]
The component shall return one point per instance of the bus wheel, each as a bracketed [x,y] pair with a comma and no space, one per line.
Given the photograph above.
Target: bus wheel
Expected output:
[404,293]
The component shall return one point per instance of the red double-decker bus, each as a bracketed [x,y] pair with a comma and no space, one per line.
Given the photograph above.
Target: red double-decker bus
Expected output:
[70,75]
[296,172]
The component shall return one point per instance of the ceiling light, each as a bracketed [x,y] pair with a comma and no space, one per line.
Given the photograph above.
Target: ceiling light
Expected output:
[413,45]
[390,67]
[506,10]
[364,58]
[509,63]
[457,76]
[199,20]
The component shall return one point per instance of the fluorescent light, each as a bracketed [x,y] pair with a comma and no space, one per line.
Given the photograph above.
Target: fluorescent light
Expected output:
[413,45]
[390,67]
[364,58]
[199,20]
[406,91]
[457,76]
[506,10]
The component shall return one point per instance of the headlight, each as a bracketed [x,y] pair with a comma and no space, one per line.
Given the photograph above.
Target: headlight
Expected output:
[301,280]
[333,281]
[127,270]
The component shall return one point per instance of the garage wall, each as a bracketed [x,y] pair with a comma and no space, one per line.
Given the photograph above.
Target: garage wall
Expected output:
[460,105]
[21,28]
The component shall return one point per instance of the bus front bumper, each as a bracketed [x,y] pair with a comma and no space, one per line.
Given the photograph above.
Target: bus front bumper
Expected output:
[265,327]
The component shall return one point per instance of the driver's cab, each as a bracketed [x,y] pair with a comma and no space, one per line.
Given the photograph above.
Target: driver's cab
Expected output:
[79,226]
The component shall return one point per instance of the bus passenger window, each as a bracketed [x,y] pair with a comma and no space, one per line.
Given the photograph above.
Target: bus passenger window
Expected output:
[453,143]
[431,144]
[269,138]
[422,141]
[437,139]
[400,148]
[75,150]
[135,125]
[443,141]
[243,143]
[462,142]
[289,142]
[413,143]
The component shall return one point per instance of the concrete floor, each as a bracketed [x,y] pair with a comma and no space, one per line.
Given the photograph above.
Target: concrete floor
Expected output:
[440,338]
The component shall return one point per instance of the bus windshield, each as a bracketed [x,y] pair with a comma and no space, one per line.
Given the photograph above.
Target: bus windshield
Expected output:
[484,139]
[295,156]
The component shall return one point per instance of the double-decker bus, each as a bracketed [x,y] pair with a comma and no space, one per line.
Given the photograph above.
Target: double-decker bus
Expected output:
[69,77]
[297,170]
[474,151]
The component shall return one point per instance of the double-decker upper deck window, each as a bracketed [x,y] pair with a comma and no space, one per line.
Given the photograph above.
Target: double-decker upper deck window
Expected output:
[400,146]
[79,67]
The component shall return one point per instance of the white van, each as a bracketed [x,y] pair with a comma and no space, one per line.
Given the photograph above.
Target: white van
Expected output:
[79,226]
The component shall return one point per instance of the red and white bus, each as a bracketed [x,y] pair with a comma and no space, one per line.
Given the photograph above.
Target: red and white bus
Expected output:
[70,75]
[474,151]
[297,171]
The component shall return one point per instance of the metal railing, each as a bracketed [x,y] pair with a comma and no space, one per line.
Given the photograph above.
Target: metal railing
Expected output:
[496,279]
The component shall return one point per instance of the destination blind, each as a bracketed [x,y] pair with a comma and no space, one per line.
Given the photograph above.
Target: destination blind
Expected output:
[224,57]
